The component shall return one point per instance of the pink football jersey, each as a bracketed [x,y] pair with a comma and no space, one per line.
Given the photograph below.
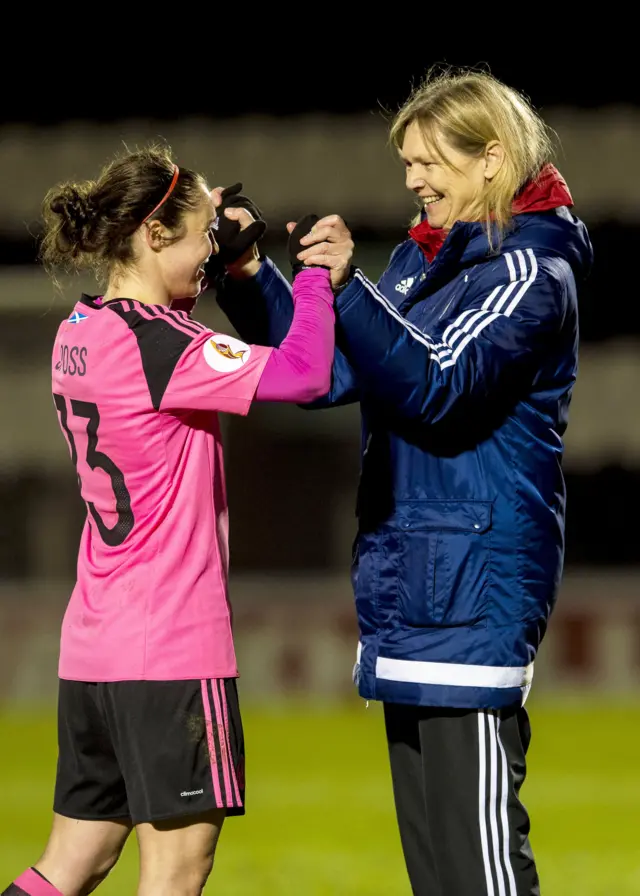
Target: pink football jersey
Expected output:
[137,389]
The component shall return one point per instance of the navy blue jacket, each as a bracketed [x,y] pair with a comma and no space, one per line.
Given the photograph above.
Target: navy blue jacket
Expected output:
[464,370]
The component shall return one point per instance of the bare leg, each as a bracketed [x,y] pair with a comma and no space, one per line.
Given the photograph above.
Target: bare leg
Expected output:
[80,854]
[176,856]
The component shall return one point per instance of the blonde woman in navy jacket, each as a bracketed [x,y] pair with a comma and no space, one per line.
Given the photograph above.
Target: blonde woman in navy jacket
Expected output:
[463,358]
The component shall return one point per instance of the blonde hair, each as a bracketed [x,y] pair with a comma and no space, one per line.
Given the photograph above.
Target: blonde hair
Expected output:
[471,110]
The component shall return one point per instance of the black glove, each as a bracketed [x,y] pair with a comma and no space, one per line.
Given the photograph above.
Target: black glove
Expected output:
[301,229]
[233,242]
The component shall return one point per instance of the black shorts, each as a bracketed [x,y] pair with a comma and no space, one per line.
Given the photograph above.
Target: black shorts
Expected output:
[149,750]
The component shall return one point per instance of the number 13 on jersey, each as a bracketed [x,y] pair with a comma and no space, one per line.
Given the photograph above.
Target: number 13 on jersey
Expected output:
[98,460]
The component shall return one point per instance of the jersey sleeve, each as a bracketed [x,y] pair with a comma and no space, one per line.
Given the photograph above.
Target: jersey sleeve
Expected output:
[216,372]
[188,366]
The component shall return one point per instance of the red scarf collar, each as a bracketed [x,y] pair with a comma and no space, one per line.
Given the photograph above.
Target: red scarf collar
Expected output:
[548,190]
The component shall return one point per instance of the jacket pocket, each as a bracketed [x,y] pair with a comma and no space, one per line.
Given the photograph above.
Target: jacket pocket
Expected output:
[443,563]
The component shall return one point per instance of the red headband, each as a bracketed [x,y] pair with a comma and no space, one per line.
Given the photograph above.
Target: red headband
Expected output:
[176,172]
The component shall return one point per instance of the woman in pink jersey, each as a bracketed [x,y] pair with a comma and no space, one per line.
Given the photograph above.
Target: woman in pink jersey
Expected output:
[150,734]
